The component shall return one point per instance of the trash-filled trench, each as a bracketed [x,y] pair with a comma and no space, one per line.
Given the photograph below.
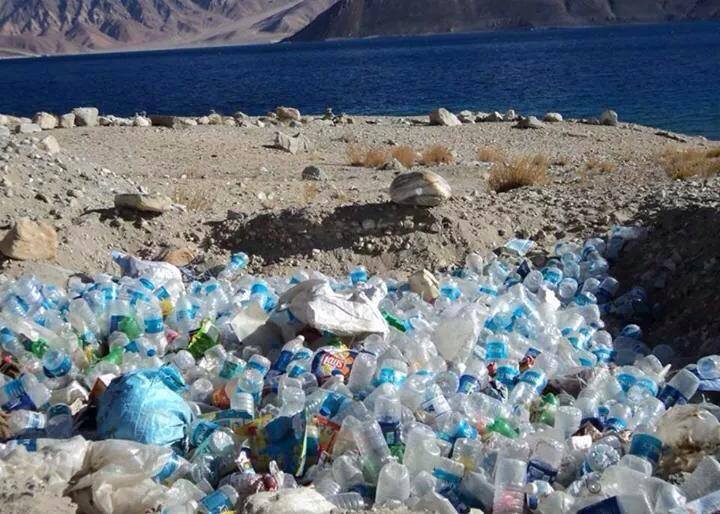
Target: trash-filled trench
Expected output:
[496,387]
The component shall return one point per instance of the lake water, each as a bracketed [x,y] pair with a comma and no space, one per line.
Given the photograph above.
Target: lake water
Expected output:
[661,75]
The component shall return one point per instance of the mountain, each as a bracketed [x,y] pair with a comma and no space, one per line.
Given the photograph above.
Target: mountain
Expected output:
[364,18]
[66,26]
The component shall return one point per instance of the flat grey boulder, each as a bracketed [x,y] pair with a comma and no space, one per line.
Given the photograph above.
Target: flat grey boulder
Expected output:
[30,240]
[444,117]
[609,118]
[420,189]
[529,122]
[553,117]
[67,120]
[45,120]
[153,203]
[86,116]
[49,144]
[291,144]
[287,114]
[27,128]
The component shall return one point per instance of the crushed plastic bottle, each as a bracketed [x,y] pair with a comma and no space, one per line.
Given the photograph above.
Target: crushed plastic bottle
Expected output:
[508,393]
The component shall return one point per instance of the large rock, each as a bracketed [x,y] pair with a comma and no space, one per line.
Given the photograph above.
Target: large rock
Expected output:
[292,144]
[49,144]
[529,122]
[303,500]
[419,188]
[609,118]
[30,240]
[142,121]
[172,122]
[466,117]
[553,117]
[511,115]
[287,114]
[4,119]
[425,284]
[67,120]
[45,120]
[154,203]
[27,128]
[215,119]
[86,116]
[494,116]
[444,117]
[313,173]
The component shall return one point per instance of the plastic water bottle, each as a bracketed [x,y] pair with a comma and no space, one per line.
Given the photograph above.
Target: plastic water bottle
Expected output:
[709,367]
[20,421]
[260,363]
[545,461]
[362,373]
[59,422]
[238,262]
[358,275]
[510,475]
[56,364]
[388,411]
[680,389]
[393,484]
[373,448]
[224,498]
[23,393]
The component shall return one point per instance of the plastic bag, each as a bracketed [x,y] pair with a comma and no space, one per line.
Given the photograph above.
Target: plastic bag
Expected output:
[158,272]
[144,406]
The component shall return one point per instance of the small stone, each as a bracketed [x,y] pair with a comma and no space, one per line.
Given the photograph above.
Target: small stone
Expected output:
[45,120]
[313,173]
[287,114]
[86,116]
[425,284]
[203,120]
[30,240]
[419,188]
[444,118]
[609,118]
[553,117]
[67,120]
[49,144]
[529,122]
[494,116]
[393,165]
[466,117]
[156,203]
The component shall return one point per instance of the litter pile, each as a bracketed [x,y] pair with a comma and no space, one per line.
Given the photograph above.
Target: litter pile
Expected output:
[493,387]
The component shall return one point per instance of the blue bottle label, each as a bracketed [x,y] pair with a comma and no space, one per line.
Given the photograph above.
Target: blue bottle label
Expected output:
[59,409]
[62,369]
[17,397]
[539,470]
[230,369]
[168,469]
[626,381]
[534,378]
[154,326]
[115,322]
[647,384]
[215,502]
[616,424]
[496,350]
[468,384]
[390,376]
[647,446]
[391,431]
[446,476]
[671,396]
[282,361]
[202,431]
[506,374]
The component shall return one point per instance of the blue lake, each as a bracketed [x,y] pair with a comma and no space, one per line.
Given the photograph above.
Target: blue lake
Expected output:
[661,75]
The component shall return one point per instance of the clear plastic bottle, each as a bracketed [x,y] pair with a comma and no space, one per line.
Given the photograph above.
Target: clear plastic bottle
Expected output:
[393,484]
[362,373]
[59,422]
[510,476]
[224,498]
[21,421]
[25,392]
[373,448]
[709,367]
[680,389]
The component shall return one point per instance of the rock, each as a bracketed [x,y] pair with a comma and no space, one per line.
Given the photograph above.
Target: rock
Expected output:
[609,118]
[230,122]
[179,256]
[444,117]
[393,165]
[49,144]
[529,122]
[142,121]
[203,120]
[30,240]
[425,284]
[45,120]
[156,203]
[466,117]
[313,173]
[419,188]
[291,144]
[67,120]
[4,119]
[494,116]
[188,122]
[86,116]
[240,116]
[215,119]
[27,128]
[302,500]
[511,115]
[553,117]
[173,122]
[287,114]
[4,131]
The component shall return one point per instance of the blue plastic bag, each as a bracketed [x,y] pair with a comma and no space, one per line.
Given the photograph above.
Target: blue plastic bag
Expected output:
[145,406]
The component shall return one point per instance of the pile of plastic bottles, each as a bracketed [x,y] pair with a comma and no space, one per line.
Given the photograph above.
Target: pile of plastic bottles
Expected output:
[499,390]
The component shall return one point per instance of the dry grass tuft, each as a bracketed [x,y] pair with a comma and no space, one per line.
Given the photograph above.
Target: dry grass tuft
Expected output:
[600,166]
[377,157]
[437,154]
[682,164]
[519,172]
[195,196]
[490,154]
[405,155]
[310,193]
[355,155]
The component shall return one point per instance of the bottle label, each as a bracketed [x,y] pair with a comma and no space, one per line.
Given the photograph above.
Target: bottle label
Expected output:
[538,470]
[168,469]
[671,396]
[215,502]
[496,350]
[154,326]
[17,397]
[446,476]
[230,369]
[648,384]
[436,406]
[534,378]
[626,381]
[35,421]
[647,446]
[468,384]
[202,431]
[506,374]
[59,409]
[62,369]
[256,365]
[391,431]
[390,376]
[282,361]
[616,424]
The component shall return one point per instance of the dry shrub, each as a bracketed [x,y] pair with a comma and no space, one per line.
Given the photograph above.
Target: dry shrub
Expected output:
[310,193]
[377,157]
[693,162]
[519,172]
[195,196]
[600,166]
[355,155]
[437,154]
[405,155]
[490,154]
